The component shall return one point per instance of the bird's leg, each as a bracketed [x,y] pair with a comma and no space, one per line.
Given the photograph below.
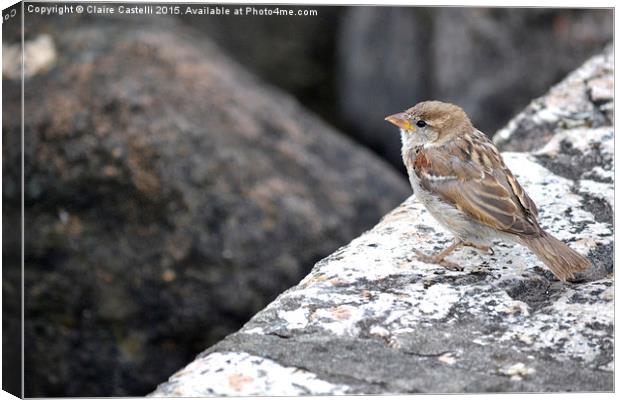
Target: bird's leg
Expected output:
[439,258]
[485,249]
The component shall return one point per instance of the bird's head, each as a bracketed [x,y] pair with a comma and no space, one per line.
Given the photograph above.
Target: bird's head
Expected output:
[431,123]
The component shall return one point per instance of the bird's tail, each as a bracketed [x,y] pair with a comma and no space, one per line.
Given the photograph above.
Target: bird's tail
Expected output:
[558,257]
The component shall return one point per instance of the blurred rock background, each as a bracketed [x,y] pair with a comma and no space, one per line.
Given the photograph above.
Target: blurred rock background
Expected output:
[171,193]
[355,65]
[169,196]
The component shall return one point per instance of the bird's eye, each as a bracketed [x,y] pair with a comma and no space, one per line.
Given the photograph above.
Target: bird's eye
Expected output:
[421,124]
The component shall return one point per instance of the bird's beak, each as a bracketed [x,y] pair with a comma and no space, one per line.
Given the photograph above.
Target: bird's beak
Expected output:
[400,120]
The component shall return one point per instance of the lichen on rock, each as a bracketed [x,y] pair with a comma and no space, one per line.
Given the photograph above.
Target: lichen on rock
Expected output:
[374,292]
[370,318]
[583,99]
[230,374]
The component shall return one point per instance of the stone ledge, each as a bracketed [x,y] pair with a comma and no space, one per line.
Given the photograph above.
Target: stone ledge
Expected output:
[370,318]
[585,98]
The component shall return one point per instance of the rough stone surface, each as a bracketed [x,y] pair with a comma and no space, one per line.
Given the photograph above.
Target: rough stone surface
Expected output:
[584,99]
[370,318]
[169,196]
[490,61]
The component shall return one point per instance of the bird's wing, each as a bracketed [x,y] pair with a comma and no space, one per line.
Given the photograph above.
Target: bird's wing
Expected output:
[478,183]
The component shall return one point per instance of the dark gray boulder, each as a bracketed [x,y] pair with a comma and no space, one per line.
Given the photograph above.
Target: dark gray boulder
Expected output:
[296,54]
[372,319]
[490,61]
[169,195]
[383,67]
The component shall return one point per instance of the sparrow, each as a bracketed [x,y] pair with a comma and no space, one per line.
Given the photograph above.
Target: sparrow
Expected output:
[458,174]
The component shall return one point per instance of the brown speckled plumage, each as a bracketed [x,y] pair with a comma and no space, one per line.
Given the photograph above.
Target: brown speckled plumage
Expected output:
[461,178]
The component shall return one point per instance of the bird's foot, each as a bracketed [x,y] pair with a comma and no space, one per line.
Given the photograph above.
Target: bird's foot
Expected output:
[437,259]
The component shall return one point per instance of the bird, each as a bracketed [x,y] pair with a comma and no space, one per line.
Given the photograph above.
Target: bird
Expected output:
[458,174]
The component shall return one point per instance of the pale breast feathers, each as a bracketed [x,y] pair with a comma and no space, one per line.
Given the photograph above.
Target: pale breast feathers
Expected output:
[478,183]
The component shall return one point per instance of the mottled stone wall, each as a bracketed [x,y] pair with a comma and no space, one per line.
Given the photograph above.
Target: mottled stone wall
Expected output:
[370,318]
